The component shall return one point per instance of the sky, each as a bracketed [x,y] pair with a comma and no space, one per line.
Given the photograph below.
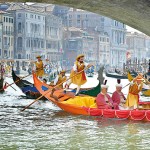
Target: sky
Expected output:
[132,29]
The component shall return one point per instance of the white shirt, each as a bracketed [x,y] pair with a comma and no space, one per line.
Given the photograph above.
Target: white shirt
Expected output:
[75,66]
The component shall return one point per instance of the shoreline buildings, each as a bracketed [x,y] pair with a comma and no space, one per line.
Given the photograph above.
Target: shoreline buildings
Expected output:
[59,33]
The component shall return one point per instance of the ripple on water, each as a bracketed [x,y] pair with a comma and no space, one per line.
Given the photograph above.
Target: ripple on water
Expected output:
[44,126]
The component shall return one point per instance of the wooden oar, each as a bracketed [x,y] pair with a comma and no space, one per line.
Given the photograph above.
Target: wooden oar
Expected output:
[16,81]
[52,89]
[10,86]
[125,85]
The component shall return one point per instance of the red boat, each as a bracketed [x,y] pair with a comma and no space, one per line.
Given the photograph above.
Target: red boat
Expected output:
[85,105]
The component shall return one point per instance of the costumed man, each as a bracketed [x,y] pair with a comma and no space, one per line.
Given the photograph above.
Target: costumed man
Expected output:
[103,100]
[60,78]
[135,87]
[76,77]
[118,97]
[39,67]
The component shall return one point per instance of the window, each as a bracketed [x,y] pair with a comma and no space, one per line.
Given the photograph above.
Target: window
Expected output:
[35,16]
[6,19]
[31,16]
[42,44]
[9,20]
[39,17]
[12,20]
[78,16]
[26,15]
[19,15]
[19,42]
[19,27]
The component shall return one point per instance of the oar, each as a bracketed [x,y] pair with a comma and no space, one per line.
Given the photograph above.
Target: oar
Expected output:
[10,86]
[16,81]
[125,85]
[52,89]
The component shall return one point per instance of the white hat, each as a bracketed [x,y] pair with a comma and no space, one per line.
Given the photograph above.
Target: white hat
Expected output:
[104,85]
[118,83]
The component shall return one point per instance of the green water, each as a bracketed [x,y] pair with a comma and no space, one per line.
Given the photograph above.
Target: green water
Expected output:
[45,127]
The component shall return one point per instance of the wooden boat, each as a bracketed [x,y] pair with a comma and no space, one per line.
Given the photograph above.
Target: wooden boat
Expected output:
[2,80]
[26,87]
[115,75]
[85,105]
[1,85]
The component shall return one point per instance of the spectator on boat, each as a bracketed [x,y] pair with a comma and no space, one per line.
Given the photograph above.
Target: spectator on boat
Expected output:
[60,78]
[118,97]
[135,87]
[76,77]
[39,67]
[103,100]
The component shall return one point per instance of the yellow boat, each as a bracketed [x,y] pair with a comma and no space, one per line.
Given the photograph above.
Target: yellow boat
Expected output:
[146,92]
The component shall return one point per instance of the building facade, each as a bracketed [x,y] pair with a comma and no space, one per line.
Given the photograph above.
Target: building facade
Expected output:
[85,20]
[6,35]
[53,36]
[29,31]
[103,49]
[117,35]
[136,43]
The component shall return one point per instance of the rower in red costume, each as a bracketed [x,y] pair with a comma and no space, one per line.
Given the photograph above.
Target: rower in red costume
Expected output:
[103,100]
[118,97]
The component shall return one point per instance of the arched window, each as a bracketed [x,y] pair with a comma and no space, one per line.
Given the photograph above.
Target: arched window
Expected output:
[19,27]
[19,56]
[27,56]
[19,42]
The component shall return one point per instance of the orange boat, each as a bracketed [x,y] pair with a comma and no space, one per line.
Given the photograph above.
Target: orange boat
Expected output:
[85,105]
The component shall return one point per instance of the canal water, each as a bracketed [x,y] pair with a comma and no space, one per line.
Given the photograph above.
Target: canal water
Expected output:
[45,127]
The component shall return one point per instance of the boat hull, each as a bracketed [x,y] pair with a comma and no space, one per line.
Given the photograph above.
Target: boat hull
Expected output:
[138,115]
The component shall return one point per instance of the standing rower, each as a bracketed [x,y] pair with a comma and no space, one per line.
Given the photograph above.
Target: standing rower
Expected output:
[76,77]
[39,67]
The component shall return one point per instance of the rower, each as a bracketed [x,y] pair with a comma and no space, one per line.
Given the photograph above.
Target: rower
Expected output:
[118,97]
[135,87]
[79,79]
[39,67]
[60,78]
[103,100]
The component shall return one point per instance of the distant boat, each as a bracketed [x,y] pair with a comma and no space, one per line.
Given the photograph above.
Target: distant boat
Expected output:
[116,75]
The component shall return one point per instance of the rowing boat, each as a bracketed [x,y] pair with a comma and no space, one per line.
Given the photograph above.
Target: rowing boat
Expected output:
[26,87]
[85,105]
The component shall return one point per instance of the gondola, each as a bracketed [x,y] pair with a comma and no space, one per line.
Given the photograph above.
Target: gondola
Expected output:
[26,87]
[85,105]
[115,75]
[1,85]
[2,80]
